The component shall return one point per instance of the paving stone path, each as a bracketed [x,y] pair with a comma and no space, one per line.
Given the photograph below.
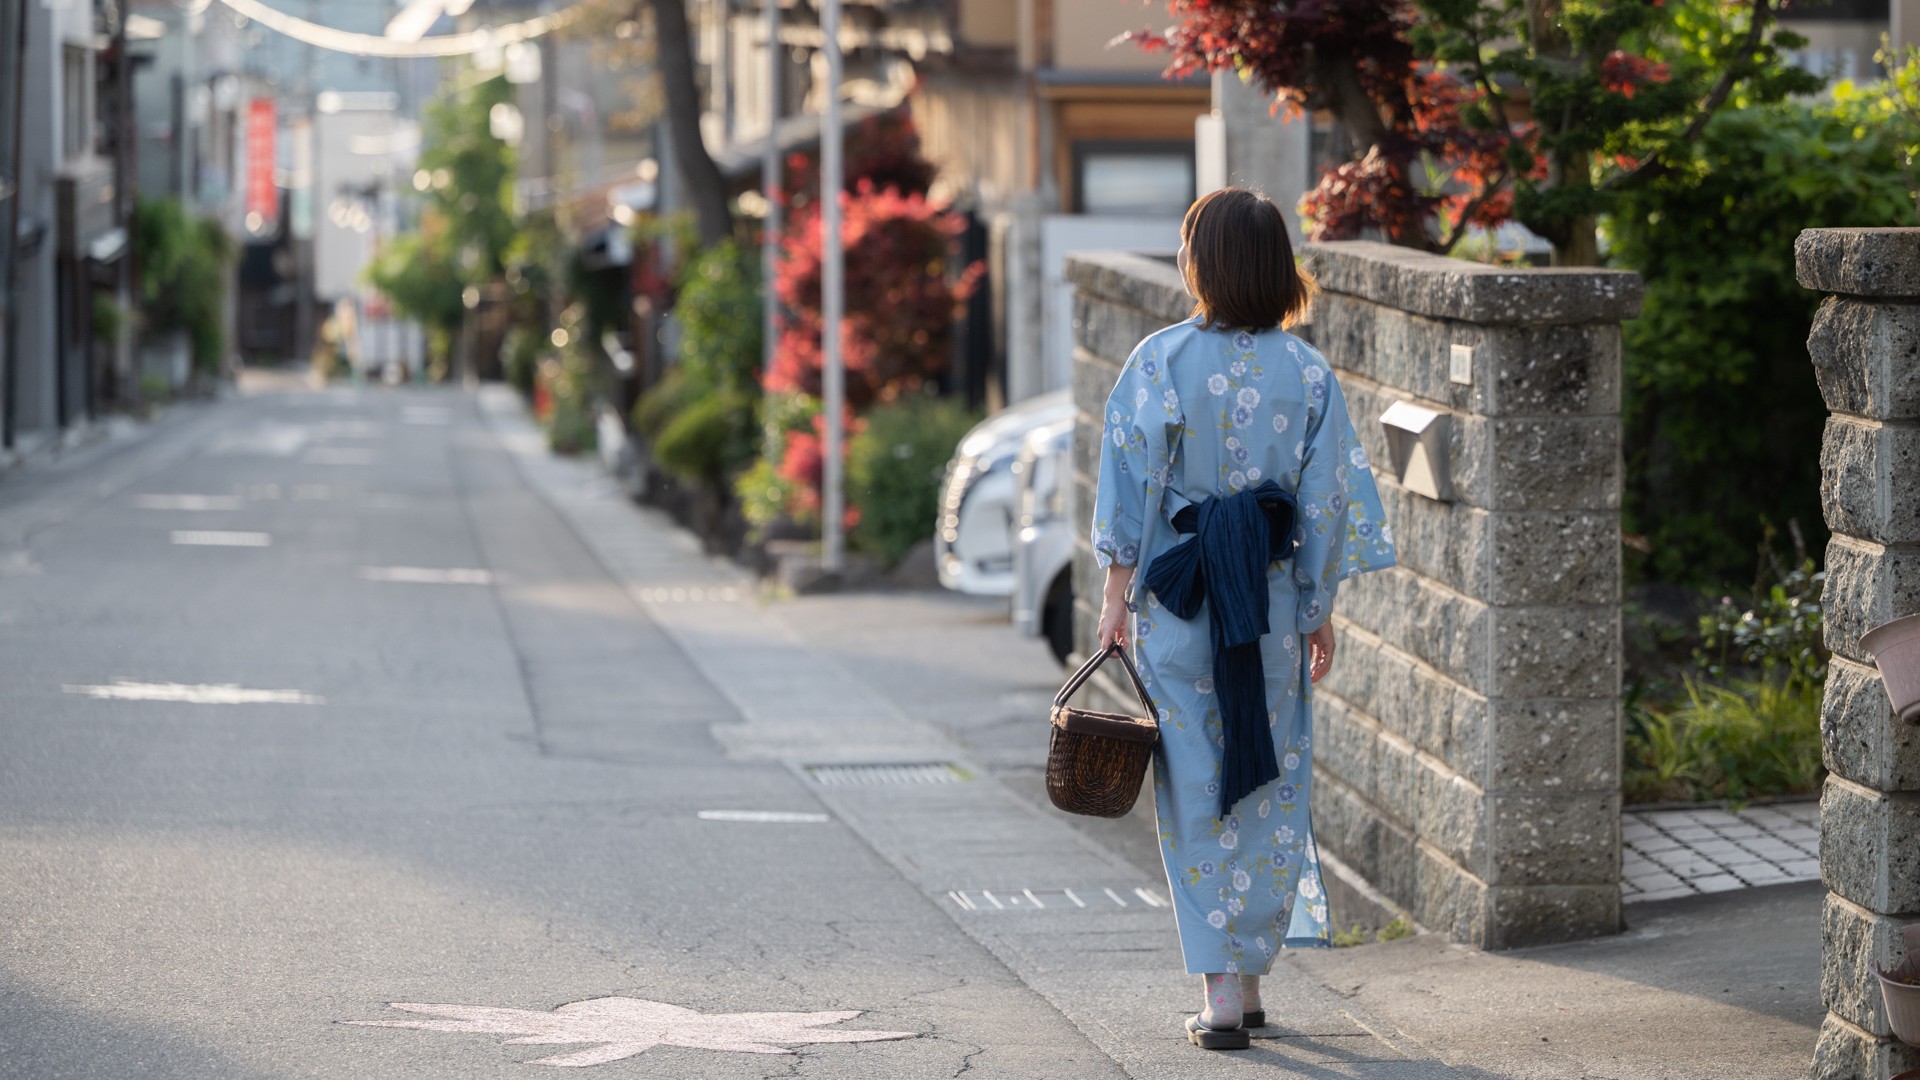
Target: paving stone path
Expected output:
[1670,853]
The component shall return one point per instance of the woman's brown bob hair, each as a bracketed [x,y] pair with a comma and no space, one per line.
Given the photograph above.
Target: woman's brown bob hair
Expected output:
[1240,262]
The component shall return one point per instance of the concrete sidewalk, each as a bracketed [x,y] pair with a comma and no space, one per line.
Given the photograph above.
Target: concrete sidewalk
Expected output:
[1718,985]
[1089,930]
[1703,987]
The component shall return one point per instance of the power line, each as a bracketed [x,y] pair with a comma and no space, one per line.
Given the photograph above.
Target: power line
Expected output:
[346,41]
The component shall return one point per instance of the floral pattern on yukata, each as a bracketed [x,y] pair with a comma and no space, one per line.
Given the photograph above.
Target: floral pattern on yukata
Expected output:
[1199,413]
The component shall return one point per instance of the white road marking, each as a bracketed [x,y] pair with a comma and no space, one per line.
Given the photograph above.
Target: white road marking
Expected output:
[695,595]
[188,502]
[271,438]
[18,564]
[421,575]
[338,455]
[426,414]
[622,1027]
[1031,899]
[312,493]
[767,817]
[203,694]
[220,538]
[347,429]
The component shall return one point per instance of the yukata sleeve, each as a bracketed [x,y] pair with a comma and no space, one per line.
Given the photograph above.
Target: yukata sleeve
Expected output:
[1342,529]
[1137,444]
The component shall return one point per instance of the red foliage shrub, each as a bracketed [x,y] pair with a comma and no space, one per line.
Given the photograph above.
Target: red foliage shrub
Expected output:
[901,305]
[882,150]
[901,299]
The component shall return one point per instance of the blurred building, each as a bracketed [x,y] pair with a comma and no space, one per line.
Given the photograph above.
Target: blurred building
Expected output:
[303,154]
[1062,136]
[1049,133]
[1843,35]
[67,184]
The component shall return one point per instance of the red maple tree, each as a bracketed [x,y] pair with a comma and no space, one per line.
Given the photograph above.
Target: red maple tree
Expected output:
[901,303]
[1465,113]
[902,293]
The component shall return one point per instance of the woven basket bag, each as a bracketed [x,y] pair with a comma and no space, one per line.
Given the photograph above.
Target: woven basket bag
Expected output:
[1096,761]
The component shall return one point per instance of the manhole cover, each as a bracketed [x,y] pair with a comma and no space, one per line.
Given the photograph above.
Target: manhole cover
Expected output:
[860,775]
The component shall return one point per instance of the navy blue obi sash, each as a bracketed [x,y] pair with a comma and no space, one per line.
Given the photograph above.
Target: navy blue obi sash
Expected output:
[1235,538]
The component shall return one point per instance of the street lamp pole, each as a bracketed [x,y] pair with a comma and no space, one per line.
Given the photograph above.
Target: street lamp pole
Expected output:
[770,187]
[833,302]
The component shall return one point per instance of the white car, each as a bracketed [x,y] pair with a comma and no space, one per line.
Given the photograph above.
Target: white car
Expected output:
[973,541]
[1044,537]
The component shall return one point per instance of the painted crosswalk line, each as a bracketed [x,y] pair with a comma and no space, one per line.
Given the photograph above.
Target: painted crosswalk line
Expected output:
[194,694]
[220,538]
[622,1027]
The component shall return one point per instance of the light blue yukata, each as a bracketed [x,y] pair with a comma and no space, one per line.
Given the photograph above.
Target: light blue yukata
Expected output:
[1199,413]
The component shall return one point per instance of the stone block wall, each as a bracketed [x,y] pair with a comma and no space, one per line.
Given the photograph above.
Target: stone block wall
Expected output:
[1468,741]
[1865,348]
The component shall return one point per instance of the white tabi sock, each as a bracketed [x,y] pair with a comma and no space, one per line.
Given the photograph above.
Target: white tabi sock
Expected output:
[1223,1002]
[1250,994]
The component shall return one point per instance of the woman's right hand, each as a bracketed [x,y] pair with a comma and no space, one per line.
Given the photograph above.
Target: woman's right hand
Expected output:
[1112,627]
[1113,623]
[1320,651]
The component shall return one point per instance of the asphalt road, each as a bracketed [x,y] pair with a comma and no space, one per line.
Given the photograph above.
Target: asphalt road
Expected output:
[310,705]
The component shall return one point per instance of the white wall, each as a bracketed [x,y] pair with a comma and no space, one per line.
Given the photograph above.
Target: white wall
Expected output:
[341,253]
[1040,335]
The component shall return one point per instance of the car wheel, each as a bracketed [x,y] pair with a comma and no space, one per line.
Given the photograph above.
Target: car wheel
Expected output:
[1056,620]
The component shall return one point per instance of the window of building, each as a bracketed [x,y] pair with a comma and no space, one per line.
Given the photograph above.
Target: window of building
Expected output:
[1146,179]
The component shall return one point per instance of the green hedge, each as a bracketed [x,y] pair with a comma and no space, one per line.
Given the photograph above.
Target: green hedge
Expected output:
[894,468]
[183,264]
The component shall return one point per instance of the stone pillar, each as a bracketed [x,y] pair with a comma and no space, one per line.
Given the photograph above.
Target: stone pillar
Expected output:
[1242,143]
[1468,742]
[1865,348]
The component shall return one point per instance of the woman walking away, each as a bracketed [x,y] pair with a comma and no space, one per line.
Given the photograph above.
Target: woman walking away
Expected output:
[1231,474]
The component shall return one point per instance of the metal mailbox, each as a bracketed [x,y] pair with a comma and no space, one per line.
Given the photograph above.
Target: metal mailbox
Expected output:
[1417,442]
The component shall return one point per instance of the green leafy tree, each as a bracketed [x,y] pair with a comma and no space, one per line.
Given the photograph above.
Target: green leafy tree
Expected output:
[894,468]
[470,173]
[183,264]
[1895,104]
[1722,415]
[704,416]
[466,227]
[1615,93]
[1464,113]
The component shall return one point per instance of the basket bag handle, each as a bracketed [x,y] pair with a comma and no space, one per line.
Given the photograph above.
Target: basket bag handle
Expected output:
[1093,664]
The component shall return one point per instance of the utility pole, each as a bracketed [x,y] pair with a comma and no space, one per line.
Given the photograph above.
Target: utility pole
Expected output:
[300,208]
[770,188]
[9,352]
[833,304]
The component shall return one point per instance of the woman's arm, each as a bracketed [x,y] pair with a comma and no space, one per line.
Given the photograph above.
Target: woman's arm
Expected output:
[1113,606]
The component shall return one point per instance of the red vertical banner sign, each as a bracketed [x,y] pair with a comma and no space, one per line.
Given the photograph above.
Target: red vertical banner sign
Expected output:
[263,199]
